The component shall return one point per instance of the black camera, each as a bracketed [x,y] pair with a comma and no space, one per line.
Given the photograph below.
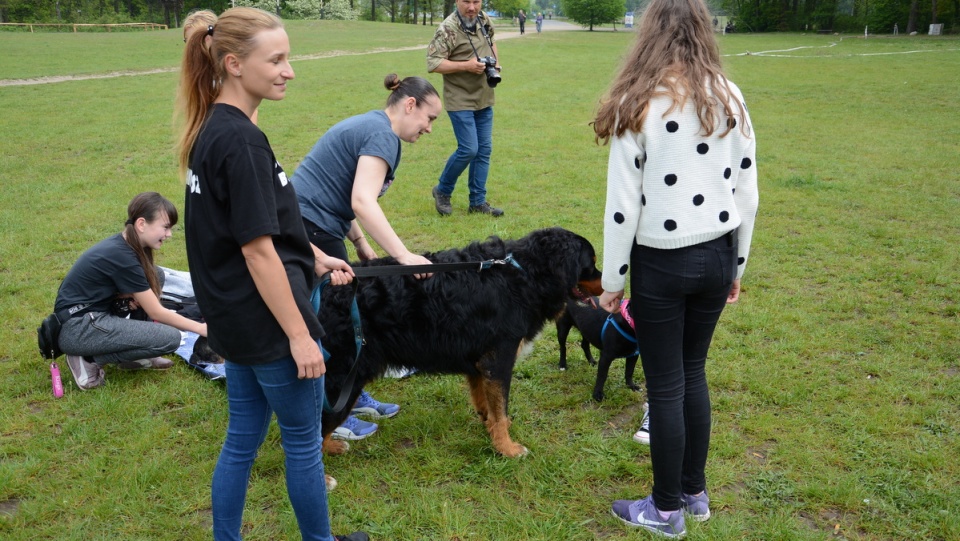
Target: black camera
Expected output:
[120,307]
[493,76]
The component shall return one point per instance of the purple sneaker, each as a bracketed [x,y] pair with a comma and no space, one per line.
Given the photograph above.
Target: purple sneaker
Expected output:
[367,405]
[697,508]
[643,514]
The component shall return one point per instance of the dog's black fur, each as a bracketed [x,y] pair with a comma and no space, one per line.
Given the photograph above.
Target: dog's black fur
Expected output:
[589,319]
[204,354]
[461,322]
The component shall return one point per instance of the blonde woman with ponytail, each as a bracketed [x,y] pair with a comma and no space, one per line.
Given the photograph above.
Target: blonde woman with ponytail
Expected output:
[252,266]
[109,292]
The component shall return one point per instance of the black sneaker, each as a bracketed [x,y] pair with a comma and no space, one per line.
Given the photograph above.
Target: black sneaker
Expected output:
[485,208]
[442,203]
[355,536]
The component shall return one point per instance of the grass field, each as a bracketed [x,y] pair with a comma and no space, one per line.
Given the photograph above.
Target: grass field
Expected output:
[834,380]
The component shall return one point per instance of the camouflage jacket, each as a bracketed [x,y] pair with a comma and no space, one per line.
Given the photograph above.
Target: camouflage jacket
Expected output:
[462,91]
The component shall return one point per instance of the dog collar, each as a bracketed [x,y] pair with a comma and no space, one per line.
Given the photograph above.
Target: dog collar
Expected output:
[625,311]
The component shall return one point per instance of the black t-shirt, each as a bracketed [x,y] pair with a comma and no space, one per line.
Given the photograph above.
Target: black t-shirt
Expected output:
[236,192]
[106,269]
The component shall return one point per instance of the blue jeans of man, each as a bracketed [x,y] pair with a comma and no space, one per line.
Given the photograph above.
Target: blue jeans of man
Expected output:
[677,298]
[254,393]
[474,131]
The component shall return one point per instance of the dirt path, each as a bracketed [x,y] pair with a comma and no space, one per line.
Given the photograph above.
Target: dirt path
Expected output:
[548,25]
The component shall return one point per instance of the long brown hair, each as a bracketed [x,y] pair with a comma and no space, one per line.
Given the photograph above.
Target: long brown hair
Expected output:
[202,69]
[150,206]
[676,51]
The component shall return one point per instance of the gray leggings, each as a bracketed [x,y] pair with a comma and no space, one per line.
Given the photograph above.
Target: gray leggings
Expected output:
[110,339]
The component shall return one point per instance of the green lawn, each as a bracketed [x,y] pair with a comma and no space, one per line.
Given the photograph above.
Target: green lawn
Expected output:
[835,379]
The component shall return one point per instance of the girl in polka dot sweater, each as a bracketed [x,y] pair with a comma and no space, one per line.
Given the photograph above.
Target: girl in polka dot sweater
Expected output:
[681,202]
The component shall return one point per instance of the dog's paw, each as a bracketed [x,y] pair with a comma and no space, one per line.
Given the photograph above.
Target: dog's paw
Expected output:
[598,396]
[334,447]
[633,386]
[515,450]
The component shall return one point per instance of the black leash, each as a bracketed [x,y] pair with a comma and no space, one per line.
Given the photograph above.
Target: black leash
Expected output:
[400,270]
[387,270]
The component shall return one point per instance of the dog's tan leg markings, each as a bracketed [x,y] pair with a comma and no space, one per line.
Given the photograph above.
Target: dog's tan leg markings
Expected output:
[478,396]
[333,447]
[498,424]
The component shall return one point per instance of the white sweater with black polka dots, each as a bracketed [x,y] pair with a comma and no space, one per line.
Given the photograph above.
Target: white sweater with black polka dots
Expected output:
[670,187]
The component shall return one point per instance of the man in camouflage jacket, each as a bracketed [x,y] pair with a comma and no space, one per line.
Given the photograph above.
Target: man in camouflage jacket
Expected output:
[463,36]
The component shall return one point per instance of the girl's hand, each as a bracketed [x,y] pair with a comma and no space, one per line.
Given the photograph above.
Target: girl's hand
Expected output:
[611,301]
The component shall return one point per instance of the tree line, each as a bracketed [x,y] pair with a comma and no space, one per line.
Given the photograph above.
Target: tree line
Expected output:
[879,16]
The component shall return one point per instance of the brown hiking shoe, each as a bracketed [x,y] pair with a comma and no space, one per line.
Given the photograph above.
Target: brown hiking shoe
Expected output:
[442,203]
[485,208]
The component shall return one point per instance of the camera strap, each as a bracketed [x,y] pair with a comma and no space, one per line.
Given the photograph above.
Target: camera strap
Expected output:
[483,31]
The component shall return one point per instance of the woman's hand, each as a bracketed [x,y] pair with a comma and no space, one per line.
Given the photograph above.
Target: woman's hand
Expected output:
[308,356]
[610,301]
[340,271]
[734,294]
[415,259]
[364,250]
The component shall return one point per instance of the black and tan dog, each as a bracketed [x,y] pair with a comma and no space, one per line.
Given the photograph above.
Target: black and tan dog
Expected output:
[611,334]
[462,322]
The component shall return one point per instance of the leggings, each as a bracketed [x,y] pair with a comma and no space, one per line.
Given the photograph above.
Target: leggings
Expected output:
[677,298]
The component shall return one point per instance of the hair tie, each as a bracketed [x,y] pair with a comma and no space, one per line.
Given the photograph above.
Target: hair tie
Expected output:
[210,30]
[128,222]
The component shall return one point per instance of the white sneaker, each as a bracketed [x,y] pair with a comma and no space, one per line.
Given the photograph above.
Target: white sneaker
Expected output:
[643,435]
[87,375]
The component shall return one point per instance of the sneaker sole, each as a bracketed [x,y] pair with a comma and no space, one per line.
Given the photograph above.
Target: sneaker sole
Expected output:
[351,437]
[697,518]
[372,413]
[642,440]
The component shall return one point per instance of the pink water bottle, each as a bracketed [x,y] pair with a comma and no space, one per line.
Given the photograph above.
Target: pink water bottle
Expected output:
[55,379]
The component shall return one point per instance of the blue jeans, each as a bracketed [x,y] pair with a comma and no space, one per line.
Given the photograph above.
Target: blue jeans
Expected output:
[254,393]
[677,298]
[474,131]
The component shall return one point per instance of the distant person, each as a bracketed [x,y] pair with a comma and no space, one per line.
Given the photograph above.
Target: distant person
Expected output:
[680,208]
[112,294]
[539,22]
[468,97]
[338,186]
[896,29]
[252,267]
[522,19]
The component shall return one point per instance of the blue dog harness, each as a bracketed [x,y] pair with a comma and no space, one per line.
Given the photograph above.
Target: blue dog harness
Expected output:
[626,316]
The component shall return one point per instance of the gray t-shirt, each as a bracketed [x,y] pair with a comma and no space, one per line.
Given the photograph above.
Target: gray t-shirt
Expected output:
[107,269]
[324,180]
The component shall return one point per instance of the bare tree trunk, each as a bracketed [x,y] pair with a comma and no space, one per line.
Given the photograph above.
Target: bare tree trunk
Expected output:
[912,21]
[934,20]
